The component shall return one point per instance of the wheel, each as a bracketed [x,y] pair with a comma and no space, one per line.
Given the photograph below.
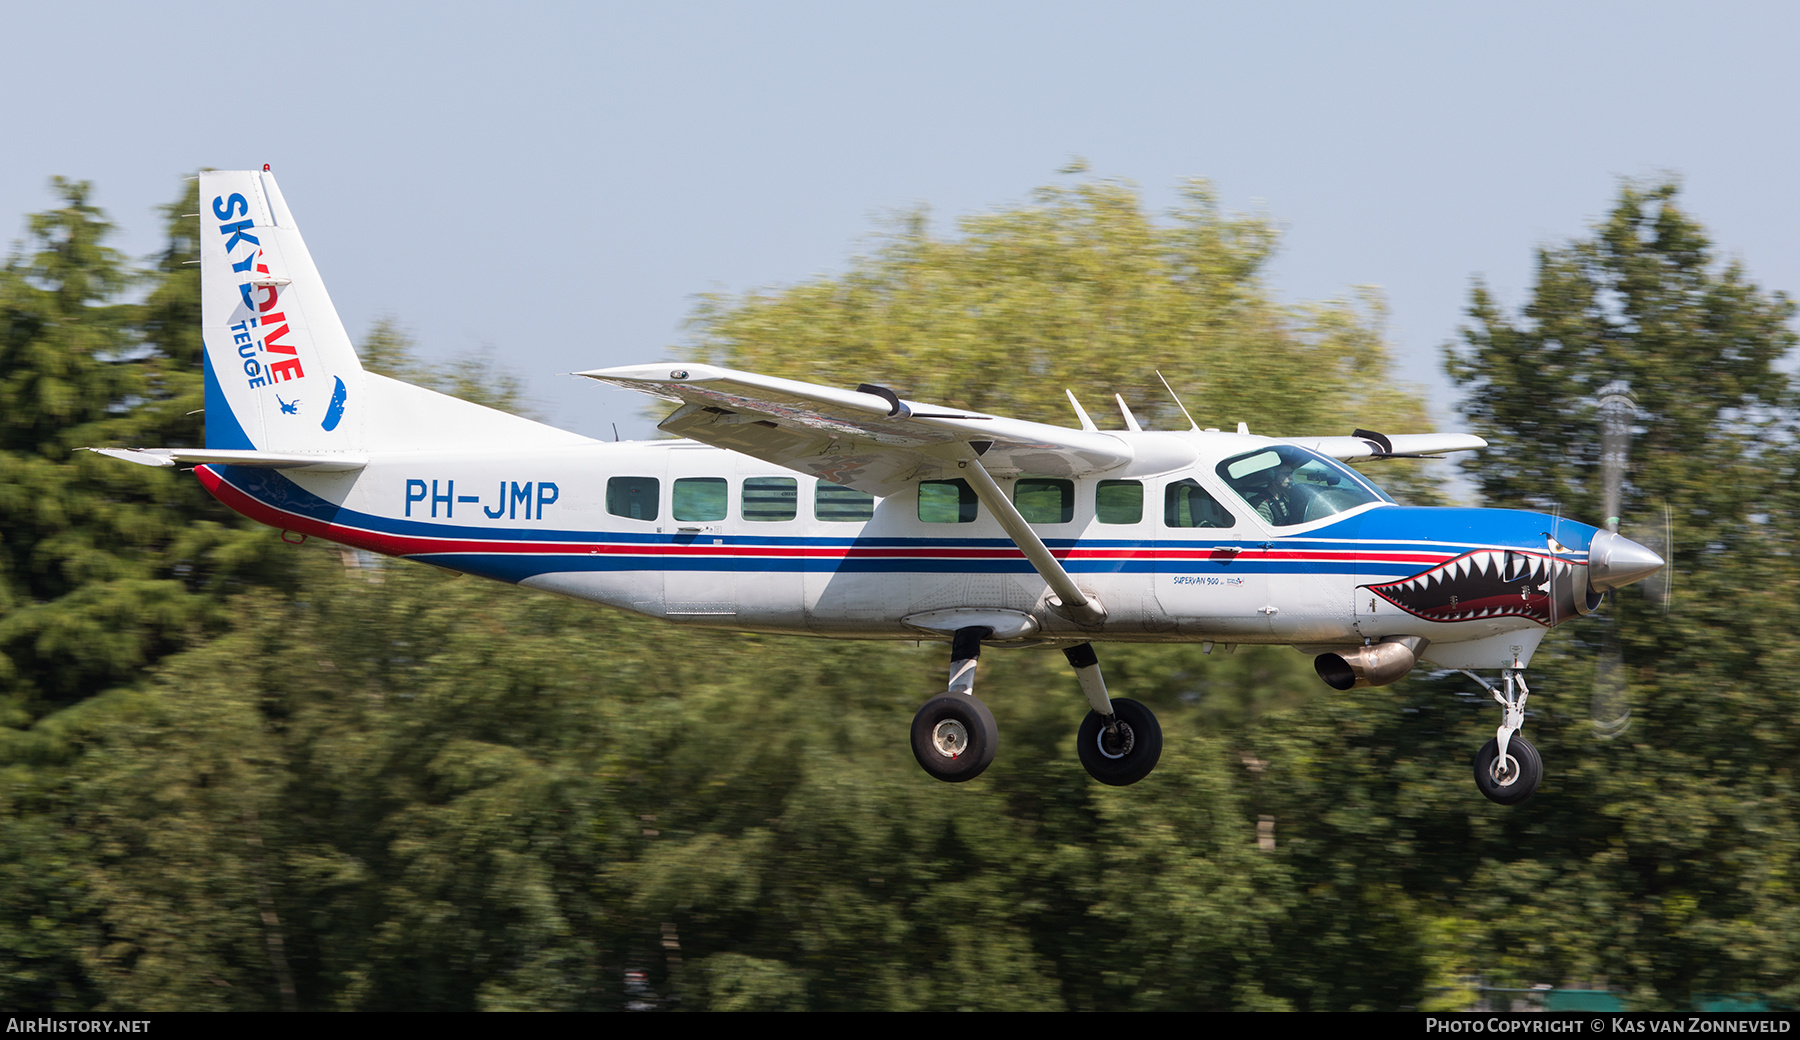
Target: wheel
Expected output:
[1126,756]
[1513,781]
[954,737]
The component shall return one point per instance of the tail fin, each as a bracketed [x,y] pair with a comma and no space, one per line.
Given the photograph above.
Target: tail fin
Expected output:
[281,375]
[280,372]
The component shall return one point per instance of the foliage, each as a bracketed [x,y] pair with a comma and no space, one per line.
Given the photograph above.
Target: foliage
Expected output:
[1643,301]
[391,351]
[303,779]
[1677,826]
[1081,289]
[103,568]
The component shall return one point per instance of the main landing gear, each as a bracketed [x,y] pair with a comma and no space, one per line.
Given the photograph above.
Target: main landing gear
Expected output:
[1507,768]
[1119,741]
[954,736]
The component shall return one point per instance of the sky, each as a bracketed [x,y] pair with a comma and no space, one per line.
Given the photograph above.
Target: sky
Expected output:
[553,183]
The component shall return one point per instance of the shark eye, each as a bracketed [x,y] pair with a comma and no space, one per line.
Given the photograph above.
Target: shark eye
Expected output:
[1555,546]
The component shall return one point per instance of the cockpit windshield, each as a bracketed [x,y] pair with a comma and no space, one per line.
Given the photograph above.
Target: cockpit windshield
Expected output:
[1287,485]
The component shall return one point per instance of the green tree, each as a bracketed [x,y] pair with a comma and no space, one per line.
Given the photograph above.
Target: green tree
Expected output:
[1164,887]
[1080,289]
[103,568]
[165,737]
[1675,836]
[1645,302]
[381,787]
[391,351]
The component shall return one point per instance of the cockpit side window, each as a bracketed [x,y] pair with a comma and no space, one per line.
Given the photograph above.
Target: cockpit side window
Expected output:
[1186,504]
[1288,485]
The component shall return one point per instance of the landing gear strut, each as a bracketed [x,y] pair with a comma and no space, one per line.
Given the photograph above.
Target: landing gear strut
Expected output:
[954,736]
[1120,740]
[1507,768]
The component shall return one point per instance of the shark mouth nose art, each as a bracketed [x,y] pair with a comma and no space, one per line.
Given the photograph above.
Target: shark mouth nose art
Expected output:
[1487,583]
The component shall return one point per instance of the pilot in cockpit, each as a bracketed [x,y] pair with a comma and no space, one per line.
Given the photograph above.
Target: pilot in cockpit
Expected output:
[1275,501]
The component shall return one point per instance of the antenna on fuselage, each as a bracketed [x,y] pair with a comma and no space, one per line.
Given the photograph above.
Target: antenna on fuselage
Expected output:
[1131,422]
[1192,425]
[1080,412]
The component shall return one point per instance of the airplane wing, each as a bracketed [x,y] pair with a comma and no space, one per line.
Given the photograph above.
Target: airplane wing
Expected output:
[1366,445]
[234,457]
[868,438]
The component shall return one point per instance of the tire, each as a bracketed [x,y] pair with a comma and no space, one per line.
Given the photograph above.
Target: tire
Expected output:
[1512,786]
[954,737]
[1120,762]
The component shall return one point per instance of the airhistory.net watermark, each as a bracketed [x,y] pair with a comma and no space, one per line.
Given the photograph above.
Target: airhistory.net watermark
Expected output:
[77,1025]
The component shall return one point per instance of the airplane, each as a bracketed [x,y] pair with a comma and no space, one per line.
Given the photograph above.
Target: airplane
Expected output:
[792,507]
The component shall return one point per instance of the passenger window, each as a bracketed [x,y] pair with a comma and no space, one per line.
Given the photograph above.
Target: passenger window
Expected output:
[770,498]
[947,502]
[633,497]
[1186,504]
[699,498]
[835,502]
[1119,502]
[1045,501]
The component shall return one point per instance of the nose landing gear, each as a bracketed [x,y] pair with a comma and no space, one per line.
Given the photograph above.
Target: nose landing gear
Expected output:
[1512,779]
[1507,768]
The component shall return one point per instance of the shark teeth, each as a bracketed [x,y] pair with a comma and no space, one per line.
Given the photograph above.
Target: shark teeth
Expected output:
[1487,583]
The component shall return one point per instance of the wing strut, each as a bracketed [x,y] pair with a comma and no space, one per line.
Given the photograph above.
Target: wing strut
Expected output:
[1070,601]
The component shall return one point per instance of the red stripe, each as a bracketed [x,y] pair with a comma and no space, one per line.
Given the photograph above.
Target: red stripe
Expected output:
[409,545]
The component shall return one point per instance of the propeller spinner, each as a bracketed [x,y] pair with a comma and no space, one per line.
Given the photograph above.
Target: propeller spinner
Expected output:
[1615,561]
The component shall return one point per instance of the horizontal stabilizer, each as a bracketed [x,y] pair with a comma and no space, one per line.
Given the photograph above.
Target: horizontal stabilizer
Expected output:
[319,463]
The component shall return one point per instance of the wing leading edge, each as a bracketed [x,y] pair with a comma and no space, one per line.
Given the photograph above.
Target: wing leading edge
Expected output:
[1400,445]
[871,441]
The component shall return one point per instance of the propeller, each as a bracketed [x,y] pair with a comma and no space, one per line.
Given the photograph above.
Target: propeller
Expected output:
[1615,561]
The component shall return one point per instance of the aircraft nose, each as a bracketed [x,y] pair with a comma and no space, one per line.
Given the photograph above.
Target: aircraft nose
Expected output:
[1615,561]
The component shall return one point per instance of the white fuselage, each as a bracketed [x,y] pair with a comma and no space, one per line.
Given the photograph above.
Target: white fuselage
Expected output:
[665,529]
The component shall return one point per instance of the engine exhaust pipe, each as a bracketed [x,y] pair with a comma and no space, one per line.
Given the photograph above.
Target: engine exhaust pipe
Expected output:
[1375,665]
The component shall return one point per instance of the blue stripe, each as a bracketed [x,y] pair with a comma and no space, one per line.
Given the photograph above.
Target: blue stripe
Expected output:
[1386,529]
[518,566]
